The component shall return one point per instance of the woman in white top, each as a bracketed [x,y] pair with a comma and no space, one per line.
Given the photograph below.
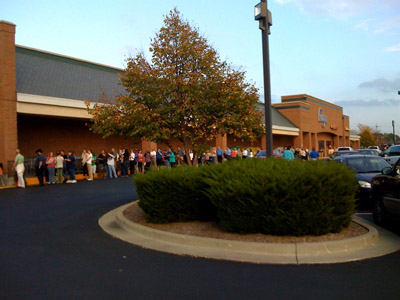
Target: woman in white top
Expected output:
[111,167]
[59,167]
[153,154]
[89,157]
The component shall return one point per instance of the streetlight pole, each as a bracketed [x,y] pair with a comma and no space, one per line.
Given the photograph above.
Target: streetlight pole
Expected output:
[394,134]
[263,15]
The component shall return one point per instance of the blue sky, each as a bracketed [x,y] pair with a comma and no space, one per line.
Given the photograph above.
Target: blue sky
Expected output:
[343,51]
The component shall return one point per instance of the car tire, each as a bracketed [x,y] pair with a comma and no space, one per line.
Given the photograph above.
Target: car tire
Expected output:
[378,211]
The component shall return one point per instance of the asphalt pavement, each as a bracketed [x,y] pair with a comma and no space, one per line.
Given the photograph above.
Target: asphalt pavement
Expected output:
[51,247]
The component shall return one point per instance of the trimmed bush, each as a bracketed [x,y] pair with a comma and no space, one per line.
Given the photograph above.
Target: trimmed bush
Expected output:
[274,196]
[172,195]
[270,196]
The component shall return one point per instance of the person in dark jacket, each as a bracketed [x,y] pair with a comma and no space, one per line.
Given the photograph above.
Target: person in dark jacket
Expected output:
[40,165]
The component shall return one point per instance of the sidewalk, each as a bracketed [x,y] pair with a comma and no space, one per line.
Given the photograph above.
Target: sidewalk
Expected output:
[377,242]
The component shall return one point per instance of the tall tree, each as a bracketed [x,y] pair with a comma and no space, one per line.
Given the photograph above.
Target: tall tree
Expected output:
[185,92]
[366,136]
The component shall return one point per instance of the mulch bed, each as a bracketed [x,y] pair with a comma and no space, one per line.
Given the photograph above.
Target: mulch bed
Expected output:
[212,230]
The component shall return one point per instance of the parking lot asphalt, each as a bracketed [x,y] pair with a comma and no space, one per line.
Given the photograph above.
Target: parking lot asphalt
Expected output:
[51,247]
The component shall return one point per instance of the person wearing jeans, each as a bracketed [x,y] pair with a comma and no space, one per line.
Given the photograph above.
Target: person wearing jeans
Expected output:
[71,166]
[111,167]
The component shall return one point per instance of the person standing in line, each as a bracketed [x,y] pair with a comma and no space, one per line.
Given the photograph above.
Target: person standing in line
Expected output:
[166,158]
[172,160]
[220,155]
[140,162]
[245,153]
[19,168]
[136,161]
[51,165]
[288,154]
[153,158]
[228,153]
[239,154]
[132,162]
[191,156]
[94,163]
[59,167]
[180,156]
[64,170]
[40,163]
[125,162]
[71,165]
[2,174]
[89,157]
[147,160]
[101,160]
[250,153]
[85,171]
[159,158]
[234,153]
[113,152]
[314,155]
[111,166]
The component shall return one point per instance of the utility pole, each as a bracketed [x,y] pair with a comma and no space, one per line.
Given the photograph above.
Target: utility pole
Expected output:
[263,15]
[394,134]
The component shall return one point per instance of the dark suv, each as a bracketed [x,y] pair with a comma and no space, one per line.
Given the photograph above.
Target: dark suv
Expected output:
[386,194]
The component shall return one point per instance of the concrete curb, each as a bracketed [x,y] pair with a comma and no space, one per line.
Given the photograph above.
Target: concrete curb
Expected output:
[376,242]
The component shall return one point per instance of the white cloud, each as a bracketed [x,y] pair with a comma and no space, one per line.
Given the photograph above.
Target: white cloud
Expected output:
[394,48]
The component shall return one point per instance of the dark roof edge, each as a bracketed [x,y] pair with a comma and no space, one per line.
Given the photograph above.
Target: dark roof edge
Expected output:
[277,111]
[274,108]
[66,59]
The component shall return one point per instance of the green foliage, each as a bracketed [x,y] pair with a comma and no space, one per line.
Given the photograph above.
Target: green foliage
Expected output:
[283,198]
[170,195]
[185,91]
[269,196]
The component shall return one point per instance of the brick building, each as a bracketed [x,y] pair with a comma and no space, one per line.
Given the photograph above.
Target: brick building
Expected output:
[42,106]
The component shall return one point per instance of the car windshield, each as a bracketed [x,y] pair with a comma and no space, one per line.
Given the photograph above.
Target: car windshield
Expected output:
[367,164]
[342,153]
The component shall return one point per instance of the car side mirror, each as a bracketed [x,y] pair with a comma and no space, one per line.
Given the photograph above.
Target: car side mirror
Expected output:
[386,170]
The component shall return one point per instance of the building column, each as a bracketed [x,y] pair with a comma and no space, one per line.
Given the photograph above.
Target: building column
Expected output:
[263,141]
[316,141]
[8,94]
[336,142]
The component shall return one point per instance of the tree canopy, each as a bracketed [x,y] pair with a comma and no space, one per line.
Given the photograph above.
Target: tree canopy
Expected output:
[366,136]
[185,92]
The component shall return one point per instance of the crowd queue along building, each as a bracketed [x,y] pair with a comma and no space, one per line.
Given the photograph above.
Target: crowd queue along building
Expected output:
[42,105]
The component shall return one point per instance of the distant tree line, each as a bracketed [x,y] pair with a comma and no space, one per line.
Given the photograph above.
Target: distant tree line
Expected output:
[371,137]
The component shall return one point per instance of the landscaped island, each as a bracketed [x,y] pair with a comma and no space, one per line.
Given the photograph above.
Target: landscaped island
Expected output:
[271,196]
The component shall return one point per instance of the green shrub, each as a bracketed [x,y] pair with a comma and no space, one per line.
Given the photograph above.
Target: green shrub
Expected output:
[170,195]
[275,196]
[271,196]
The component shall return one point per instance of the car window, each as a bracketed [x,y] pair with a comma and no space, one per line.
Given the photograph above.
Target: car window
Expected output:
[394,149]
[367,164]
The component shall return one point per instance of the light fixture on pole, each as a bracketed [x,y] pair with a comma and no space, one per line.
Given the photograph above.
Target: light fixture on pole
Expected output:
[263,15]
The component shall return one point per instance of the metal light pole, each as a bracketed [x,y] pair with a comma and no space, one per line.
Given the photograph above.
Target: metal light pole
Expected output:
[263,15]
[394,134]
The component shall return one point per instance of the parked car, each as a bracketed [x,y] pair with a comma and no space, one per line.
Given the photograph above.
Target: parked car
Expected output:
[386,195]
[368,151]
[342,153]
[392,154]
[345,149]
[375,148]
[367,167]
